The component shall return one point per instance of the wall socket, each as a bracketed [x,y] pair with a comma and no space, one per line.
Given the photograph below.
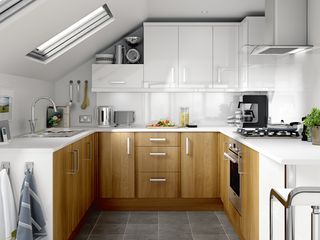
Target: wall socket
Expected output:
[85,119]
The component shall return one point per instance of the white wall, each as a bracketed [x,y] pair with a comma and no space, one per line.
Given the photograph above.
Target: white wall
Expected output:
[61,93]
[24,90]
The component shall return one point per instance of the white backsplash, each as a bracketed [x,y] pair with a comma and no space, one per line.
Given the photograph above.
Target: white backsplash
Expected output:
[205,108]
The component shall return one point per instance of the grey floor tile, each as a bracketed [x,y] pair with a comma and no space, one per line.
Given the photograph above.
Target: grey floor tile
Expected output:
[114,217]
[203,228]
[173,217]
[108,237]
[177,236]
[210,237]
[174,228]
[107,229]
[223,218]
[144,229]
[233,237]
[92,217]
[229,229]
[203,217]
[143,218]
[84,232]
[141,236]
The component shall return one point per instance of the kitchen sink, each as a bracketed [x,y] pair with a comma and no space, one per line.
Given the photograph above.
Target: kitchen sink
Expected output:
[55,132]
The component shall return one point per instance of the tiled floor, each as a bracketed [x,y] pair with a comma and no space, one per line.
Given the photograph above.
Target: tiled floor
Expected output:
[157,226]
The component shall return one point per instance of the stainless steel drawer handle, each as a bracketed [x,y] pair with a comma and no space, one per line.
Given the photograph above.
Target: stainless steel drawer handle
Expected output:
[157,139]
[228,157]
[128,146]
[187,146]
[158,154]
[158,179]
[117,82]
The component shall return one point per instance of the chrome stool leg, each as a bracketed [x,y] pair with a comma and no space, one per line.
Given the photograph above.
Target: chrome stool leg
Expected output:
[315,223]
[271,218]
[289,224]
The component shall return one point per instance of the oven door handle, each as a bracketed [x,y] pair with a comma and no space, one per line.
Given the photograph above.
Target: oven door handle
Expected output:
[228,157]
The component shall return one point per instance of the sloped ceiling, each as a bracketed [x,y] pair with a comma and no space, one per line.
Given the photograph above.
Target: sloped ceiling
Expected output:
[45,18]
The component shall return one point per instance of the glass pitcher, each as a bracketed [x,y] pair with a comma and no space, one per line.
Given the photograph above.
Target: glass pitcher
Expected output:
[184,116]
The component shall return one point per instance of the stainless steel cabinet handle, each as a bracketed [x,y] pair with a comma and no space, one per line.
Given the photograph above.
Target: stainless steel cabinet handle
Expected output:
[158,154]
[158,179]
[77,160]
[157,139]
[128,146]
[73,170]
[187,146]
[89,151]
[228,157]
[240,165]
[117,82]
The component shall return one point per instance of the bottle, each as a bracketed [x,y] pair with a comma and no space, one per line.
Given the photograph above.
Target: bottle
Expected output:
[184,116]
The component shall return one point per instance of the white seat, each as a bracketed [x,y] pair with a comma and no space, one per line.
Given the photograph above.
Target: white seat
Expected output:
[300,196]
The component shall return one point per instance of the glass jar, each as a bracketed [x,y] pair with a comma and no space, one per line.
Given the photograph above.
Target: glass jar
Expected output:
[184,116]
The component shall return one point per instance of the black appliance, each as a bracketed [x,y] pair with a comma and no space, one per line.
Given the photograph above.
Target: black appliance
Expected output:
[233,154]
[254,111]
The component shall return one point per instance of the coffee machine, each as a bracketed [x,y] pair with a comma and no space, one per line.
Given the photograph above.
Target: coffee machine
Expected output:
[253,111]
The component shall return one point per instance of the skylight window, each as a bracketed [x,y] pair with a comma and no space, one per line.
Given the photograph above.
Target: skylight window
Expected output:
[10,7]
[73,35]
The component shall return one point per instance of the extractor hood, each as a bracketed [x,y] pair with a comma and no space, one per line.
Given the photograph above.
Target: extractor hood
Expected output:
[286,28]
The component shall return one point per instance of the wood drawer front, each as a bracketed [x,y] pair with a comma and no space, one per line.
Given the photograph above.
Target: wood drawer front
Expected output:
[158,159]
[157,139]
[158,185]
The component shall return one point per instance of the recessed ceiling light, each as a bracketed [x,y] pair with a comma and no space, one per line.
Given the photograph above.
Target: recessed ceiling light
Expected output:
[204,11]
[73,35]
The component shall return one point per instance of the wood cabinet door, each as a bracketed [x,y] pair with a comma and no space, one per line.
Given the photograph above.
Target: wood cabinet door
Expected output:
[195,56]
[161,56]
[116,154]
[199,165]
[249,223]
[87,173]
[61,216]
[224,169]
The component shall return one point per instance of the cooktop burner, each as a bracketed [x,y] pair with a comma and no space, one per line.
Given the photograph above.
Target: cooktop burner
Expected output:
[266,132]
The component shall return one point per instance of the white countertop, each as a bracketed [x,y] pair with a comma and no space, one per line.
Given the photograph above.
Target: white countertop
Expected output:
[286,151]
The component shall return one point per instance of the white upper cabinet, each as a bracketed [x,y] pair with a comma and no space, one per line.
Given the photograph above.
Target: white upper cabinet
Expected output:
[111,77]
[195,57]
[225,56]
[161,56]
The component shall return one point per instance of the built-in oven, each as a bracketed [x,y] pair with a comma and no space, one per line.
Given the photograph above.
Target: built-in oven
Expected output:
[233,154]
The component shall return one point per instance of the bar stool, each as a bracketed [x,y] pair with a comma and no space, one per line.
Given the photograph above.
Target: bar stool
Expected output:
[300,196]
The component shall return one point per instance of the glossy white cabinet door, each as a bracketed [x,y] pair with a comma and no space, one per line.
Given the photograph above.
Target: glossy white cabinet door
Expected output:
[116,76]
[161,56]
[195,56]
[225,56]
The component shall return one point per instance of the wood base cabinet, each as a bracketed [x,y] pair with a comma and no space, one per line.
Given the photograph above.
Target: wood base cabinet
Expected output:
[73,190]
[247,223]
[117,166]
[199,165]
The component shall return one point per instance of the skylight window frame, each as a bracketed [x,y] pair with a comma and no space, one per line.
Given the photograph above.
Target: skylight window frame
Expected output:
[10,7]
[67,39]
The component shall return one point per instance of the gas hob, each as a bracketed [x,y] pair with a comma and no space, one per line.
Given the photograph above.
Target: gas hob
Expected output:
[268,132]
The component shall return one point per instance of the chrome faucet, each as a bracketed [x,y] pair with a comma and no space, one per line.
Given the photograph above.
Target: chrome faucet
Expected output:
[33,120]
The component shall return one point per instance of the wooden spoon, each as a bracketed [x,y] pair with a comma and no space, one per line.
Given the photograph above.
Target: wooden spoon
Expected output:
[86,101]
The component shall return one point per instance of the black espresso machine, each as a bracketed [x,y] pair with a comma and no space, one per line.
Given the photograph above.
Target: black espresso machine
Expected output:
[253,111]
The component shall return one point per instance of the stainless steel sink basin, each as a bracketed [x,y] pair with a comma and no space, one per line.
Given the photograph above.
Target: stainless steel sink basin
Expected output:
[55,132]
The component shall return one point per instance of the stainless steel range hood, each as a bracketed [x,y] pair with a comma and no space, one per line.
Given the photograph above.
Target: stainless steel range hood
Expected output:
[286,28]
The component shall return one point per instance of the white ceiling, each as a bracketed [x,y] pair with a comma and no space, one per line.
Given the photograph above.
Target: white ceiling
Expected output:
[45,18]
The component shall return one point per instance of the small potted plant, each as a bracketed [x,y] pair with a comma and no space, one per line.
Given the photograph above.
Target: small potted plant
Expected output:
[312,122]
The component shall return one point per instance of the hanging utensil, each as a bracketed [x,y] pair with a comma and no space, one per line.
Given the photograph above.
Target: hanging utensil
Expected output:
[86,101]
[70,92]
[78,91]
